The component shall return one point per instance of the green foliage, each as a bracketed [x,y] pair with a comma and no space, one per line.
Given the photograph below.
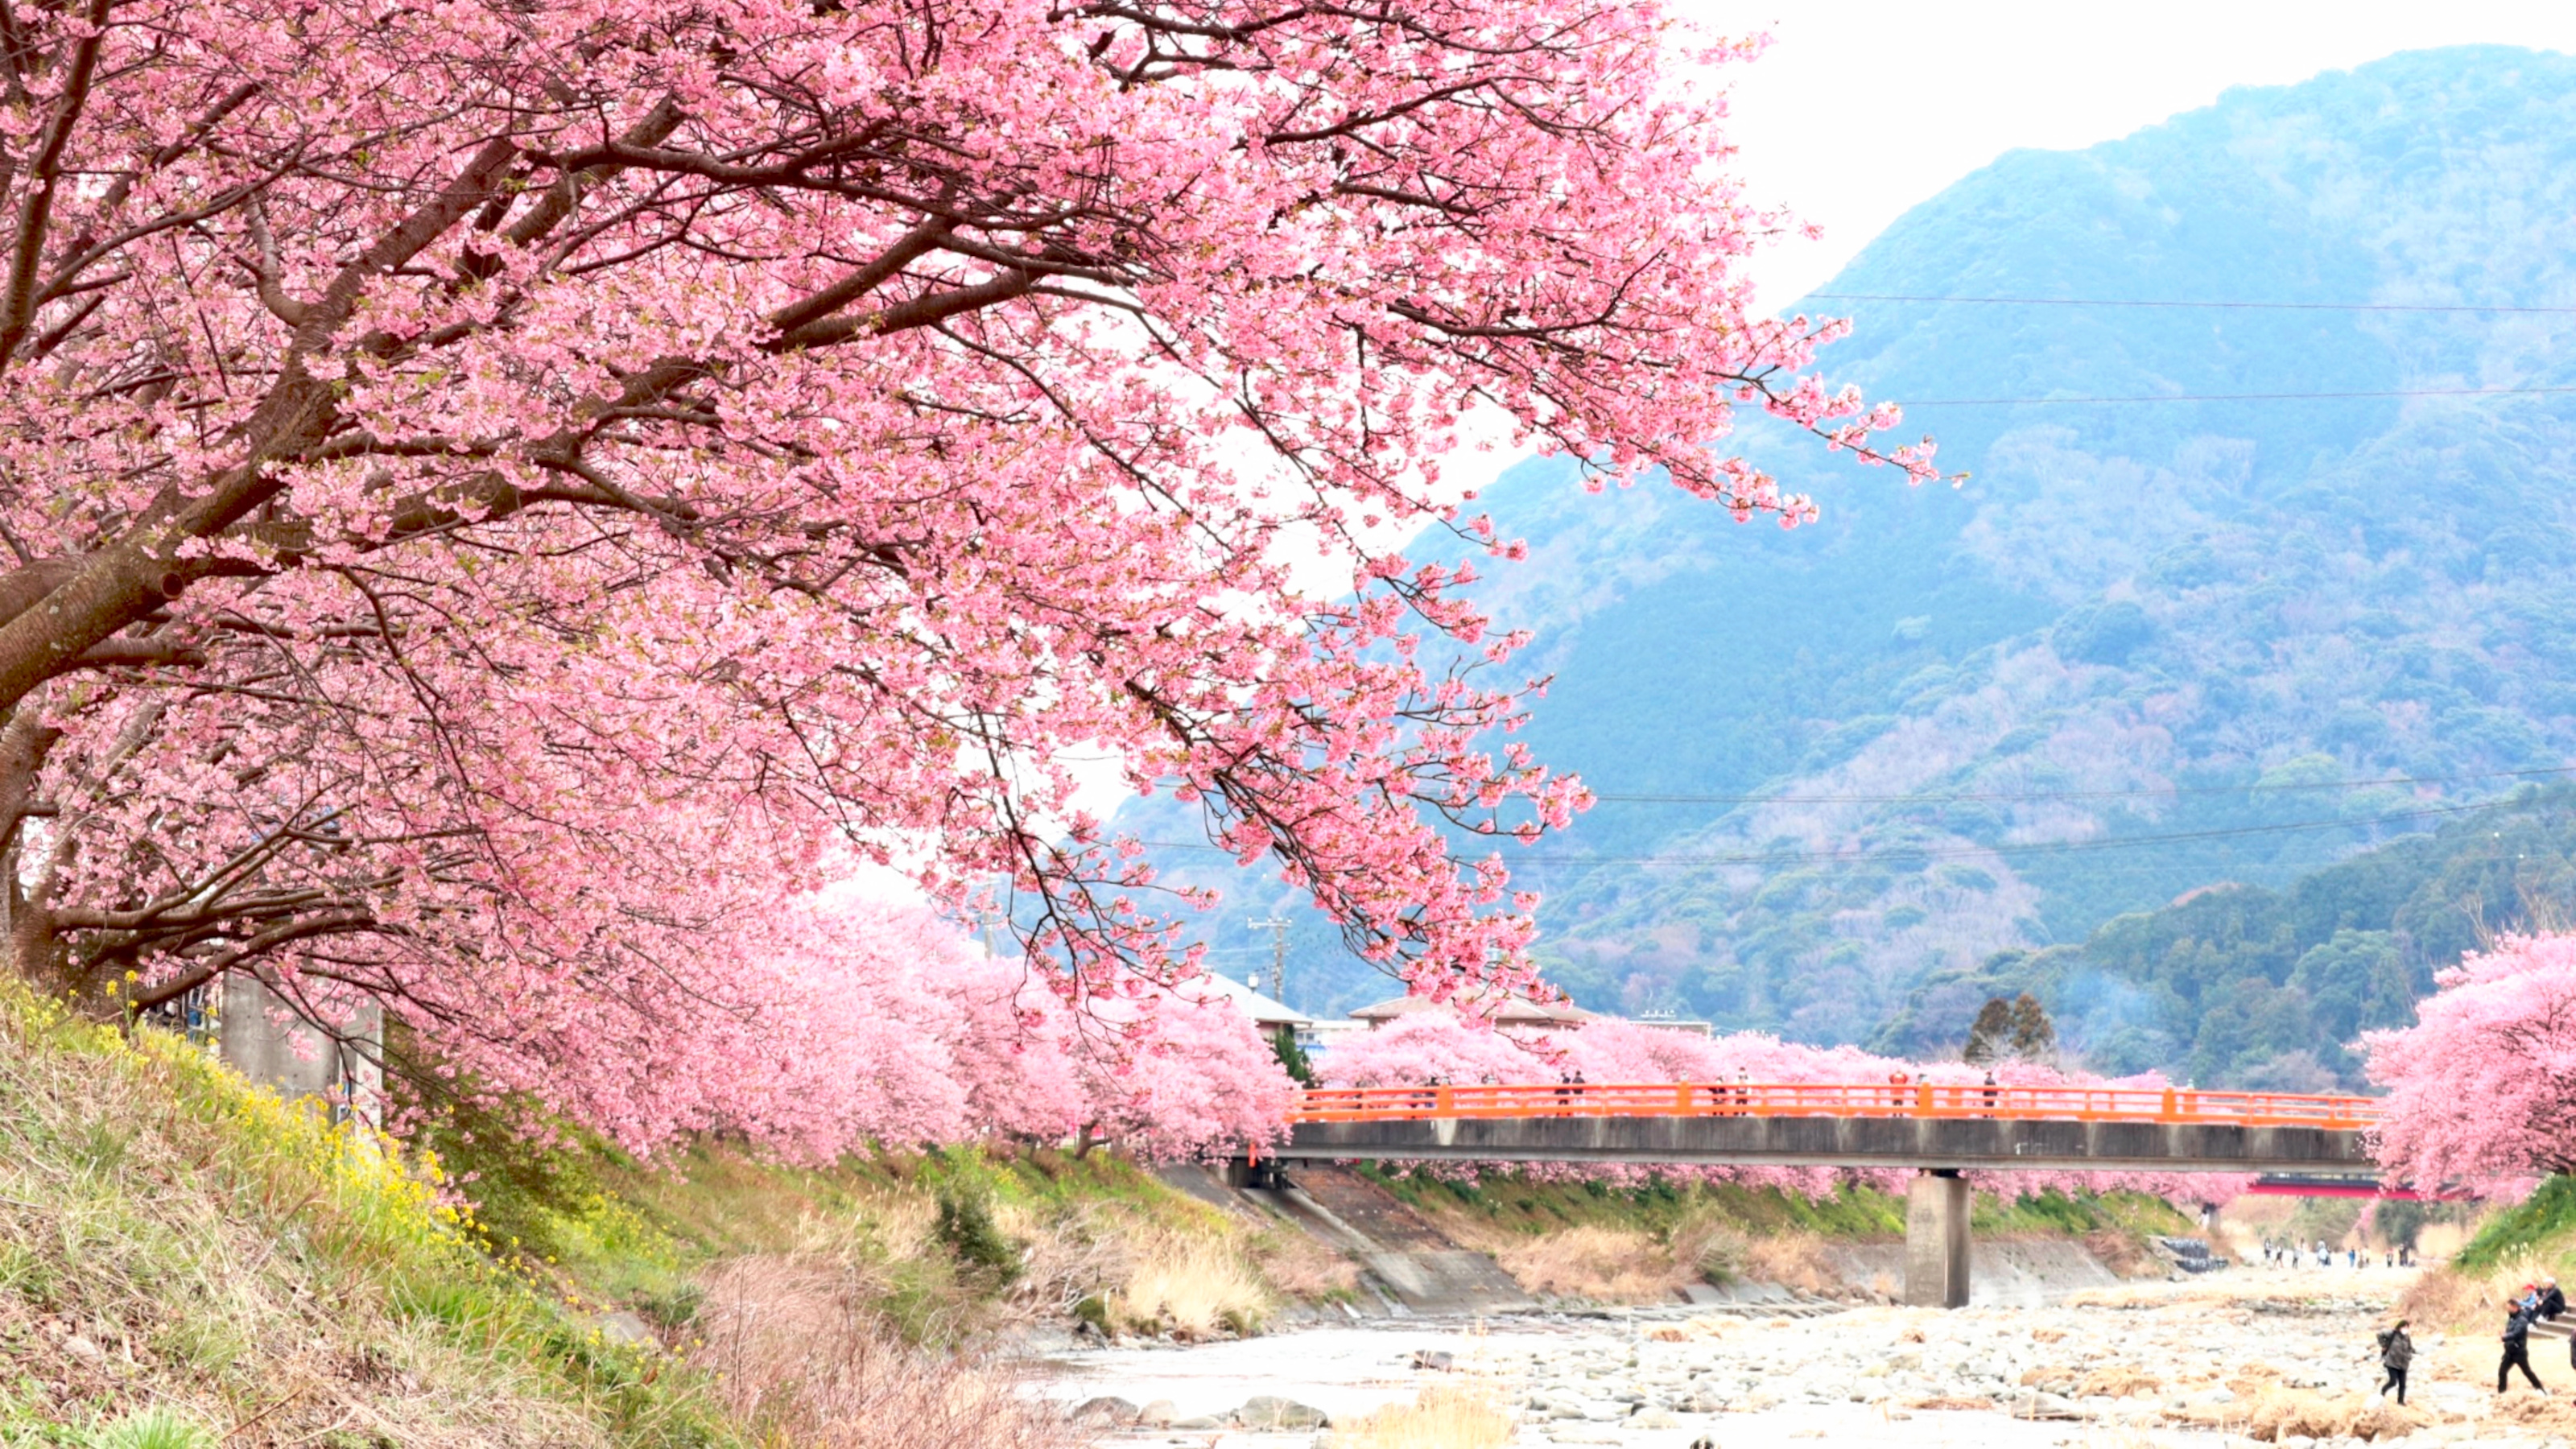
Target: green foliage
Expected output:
[1092,1309]
[966,1226]
[155,1429]
[2034,1036]
[2015,1030]
[1292,1057]
[1990,1035]
[1658,1206]
[2545,1219]
[2400,1221]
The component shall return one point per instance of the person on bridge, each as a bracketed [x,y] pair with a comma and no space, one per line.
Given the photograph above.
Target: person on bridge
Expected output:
[2517,1347]
[2396,1351]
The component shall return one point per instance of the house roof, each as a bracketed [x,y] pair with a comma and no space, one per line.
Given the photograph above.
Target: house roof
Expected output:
[1514,1011]
[1263,1010]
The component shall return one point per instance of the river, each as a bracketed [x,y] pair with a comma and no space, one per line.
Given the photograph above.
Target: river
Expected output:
[2284,1355]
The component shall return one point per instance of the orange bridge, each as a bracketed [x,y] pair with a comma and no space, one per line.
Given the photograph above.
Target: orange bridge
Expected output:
[1939,1131]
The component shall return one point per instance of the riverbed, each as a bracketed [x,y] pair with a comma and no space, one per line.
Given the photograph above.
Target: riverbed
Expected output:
[2257,1354]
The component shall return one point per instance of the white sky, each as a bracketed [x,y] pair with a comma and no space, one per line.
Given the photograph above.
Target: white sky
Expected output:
[1863,108]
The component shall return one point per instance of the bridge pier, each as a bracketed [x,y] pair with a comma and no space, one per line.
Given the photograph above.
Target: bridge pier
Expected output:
[1936,1239]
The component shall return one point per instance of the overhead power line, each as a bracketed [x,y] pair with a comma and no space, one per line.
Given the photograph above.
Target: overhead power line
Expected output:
[2221,397]
[2205,306]
[2037,847]
[2140,793]
[1902,852]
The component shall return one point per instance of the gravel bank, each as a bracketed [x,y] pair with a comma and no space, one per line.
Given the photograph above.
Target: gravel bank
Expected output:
[2266,1356]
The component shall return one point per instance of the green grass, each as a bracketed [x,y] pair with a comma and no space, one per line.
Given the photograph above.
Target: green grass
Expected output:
[229,1259]
[2543,1224]
[1657,1206]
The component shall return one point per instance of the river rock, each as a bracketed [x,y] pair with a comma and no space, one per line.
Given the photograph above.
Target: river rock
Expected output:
[1157,1415]
[1433,1359]
[1107,1411]
[1269,1411]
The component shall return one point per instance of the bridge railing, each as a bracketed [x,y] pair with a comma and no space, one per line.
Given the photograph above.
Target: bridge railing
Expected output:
[1831,1099]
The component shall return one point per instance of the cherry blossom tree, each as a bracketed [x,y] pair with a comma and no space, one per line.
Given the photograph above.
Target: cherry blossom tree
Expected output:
[502,499]
[2482,1089]
[845,1023]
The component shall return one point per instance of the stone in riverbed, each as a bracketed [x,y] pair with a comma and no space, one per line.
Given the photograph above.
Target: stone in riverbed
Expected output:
[1157,1415]
[1269,1411]
[1108,1410]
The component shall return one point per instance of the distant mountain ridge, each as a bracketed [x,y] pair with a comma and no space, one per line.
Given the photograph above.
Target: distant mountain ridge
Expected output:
[2196,621]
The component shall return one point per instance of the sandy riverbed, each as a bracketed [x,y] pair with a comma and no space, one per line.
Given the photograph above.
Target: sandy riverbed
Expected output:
[2251,1353]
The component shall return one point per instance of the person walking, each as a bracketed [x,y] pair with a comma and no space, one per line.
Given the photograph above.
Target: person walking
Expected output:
[2517,1347]
[2396,1351]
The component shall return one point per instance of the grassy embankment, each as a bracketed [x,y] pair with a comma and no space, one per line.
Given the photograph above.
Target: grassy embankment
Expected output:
[943,1245]
[1614,1244]
[184,1260]
[2512,1246]
[187,1261]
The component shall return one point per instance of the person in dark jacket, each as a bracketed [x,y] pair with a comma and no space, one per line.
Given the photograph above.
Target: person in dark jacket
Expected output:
[2517,1346]
[2552,1302]
[2396,1351]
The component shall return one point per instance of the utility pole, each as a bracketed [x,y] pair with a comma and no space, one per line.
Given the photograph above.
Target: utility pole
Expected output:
[1277,926]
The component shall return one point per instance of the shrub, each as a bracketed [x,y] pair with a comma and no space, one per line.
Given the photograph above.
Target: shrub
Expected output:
[966,1226]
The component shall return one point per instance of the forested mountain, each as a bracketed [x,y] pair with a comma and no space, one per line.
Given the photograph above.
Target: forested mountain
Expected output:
[2149,648]
[2245,986]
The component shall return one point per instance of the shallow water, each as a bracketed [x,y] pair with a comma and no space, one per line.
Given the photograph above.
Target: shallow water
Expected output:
[1348,1371]
[1667,1378]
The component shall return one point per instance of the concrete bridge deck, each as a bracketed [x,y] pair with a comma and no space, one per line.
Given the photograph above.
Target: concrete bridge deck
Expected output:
[1941,1130]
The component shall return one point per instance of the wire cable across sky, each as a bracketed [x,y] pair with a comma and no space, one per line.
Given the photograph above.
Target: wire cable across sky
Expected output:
[2433,307]
[2223,397]
[1959,852]
[2143,792]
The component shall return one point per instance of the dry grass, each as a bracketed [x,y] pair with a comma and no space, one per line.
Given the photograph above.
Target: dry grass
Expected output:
[2440,1242]
[173,1243]
[2269,1415]
[1192,1286]
[1138,1263]
[1447,1417]
[1300,1266]
[2123,1254]
[1603,1265]
[804,1360]
[1711,1247]
[1795,1261]
[1630,1265]
[2118,1382]
[2456,1299]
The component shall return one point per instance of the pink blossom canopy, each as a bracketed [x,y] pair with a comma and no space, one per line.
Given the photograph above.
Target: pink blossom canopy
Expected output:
[505,497]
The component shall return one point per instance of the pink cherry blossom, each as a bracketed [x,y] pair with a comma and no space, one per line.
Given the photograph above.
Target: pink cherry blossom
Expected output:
[504,500]
[2482,1089]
